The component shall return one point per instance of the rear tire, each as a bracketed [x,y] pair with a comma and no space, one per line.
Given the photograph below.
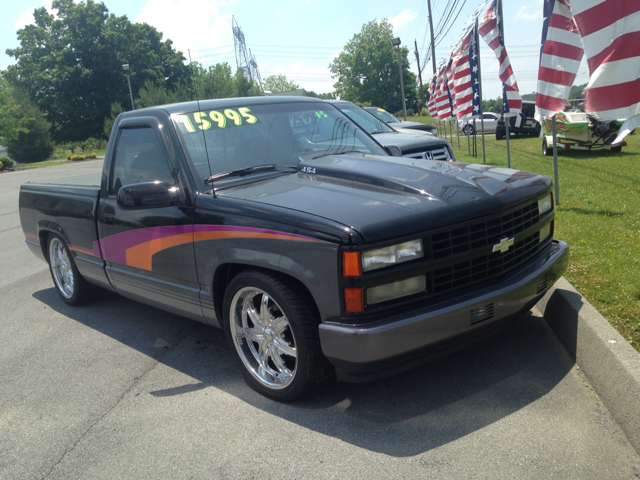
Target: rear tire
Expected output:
[545,148]
[274,336]
[499,134]
[69,283]
[468,130]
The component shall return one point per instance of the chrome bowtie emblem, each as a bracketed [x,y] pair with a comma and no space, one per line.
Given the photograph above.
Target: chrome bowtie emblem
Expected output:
[504,245]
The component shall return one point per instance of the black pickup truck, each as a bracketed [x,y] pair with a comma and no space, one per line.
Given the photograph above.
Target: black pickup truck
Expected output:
[282,222]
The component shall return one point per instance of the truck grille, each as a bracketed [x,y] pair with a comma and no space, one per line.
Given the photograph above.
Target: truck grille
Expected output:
[475,235]
[439,153]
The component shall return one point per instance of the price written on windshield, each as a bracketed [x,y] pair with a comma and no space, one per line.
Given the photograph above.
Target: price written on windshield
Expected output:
[229,117]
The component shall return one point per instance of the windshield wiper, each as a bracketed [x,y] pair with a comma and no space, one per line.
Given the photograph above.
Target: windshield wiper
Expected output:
[344,152]
[246,171]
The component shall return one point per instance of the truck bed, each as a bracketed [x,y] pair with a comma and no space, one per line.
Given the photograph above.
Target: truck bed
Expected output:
[65,207]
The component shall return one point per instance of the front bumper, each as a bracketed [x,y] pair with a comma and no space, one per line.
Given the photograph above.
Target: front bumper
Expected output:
[364,352]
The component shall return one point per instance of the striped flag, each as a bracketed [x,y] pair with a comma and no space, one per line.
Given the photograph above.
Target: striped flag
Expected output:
[610,33]
[492,30]
[466,82]
[443,104]
[560,55]
[431,104]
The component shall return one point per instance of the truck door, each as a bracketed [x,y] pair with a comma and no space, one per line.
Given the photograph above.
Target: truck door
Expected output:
[148,248]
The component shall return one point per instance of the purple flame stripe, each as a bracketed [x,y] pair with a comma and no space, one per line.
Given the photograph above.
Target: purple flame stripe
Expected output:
[114,247]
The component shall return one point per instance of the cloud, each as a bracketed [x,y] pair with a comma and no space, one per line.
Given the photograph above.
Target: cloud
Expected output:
[24,18]
[196,25]
[403,17]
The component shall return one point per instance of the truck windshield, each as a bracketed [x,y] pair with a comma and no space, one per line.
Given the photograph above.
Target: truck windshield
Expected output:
[276,133]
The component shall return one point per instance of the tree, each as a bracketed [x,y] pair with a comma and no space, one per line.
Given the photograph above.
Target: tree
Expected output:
[244,86]
[322,96]
[31,142]
[215,82]
[367,69]
[11,120]
[71,64]
[278,83]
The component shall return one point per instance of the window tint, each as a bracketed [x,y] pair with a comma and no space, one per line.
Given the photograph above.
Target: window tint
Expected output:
[139,158]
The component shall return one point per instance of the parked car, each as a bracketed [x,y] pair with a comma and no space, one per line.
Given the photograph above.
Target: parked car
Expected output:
[522,124]
[412,143]
[282,222]
[395,122]
[489,119]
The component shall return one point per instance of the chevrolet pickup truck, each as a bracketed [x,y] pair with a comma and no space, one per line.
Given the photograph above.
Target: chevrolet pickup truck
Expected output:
[281,221]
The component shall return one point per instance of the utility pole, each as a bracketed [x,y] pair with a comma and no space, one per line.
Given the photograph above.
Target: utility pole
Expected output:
[125,69]
[433,42]
[418,59]
[396,43]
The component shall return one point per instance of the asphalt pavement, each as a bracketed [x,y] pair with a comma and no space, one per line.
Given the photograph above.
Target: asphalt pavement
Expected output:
[116,389]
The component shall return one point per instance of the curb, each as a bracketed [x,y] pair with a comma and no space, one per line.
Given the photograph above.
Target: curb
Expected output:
[609,362]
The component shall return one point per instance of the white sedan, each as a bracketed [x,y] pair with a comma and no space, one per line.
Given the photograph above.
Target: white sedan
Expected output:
[490,122]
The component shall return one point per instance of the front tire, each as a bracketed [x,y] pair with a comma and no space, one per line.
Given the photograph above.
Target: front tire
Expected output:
[545,148]
[69,283]
[468,130]
[274,336]
[500,134]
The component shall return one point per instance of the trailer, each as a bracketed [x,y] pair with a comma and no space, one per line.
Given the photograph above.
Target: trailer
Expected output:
[582,131]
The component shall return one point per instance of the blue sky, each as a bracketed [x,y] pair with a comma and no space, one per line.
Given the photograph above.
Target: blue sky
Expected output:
[299,38]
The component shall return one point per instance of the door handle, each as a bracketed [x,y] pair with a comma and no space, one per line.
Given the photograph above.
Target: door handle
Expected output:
[108,219]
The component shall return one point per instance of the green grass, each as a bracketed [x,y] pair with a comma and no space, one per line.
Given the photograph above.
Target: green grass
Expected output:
[50,163]
[598,216]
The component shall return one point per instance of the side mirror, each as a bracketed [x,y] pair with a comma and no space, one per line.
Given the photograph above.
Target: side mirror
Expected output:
[393,150]
[144,195]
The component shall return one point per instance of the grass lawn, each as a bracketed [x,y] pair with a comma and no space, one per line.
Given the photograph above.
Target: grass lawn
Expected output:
[49,163]
[598,216]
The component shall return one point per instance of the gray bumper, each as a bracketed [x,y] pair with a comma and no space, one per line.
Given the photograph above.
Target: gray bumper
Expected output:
[392,342]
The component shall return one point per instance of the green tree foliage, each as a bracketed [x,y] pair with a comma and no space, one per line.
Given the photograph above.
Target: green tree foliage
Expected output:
[11,118]
[495,105]
[217,81]
[244,86]
[278,83]
[116,109]
[71,64]
[323,96]
[367,69]
[576,92]
[32,142]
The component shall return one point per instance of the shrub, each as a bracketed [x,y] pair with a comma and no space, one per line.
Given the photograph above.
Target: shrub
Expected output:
[5,162]
[424,112]
[33,145]
[75,158]
[91,155]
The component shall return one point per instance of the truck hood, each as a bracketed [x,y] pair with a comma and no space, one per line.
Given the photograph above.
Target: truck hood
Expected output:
[408,141]
[389,197]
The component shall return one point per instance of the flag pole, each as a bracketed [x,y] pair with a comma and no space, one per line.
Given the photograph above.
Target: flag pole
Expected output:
[477,40]
[504,88]
[555,159]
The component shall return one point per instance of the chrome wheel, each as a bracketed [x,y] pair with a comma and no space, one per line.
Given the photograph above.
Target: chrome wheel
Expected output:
[263,338]
[61,267]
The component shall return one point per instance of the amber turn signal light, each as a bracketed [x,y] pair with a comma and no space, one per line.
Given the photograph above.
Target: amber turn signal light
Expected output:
[351,264]
[353,300]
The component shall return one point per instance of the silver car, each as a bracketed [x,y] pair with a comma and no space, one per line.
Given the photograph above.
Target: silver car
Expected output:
[490,122]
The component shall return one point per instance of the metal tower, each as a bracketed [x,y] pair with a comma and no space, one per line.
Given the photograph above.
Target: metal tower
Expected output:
[245,62]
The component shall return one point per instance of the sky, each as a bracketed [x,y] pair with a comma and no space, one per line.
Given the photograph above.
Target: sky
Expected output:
[300,38]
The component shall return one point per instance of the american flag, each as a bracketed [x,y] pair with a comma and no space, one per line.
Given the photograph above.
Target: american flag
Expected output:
[492,30]
[443,103]
[560,56]
[610,32]
[466,84]
[431,104]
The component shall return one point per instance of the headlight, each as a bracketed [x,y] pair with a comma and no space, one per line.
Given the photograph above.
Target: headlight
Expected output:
[402,288]
[545,204]
[384,257]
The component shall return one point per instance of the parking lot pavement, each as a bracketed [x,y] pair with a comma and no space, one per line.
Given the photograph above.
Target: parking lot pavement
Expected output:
[116,389]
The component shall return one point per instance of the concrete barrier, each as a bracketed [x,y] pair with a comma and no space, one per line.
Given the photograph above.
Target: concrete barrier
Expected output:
[609,362]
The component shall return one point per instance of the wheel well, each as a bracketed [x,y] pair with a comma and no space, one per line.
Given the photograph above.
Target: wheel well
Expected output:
[44,242]
[225,273]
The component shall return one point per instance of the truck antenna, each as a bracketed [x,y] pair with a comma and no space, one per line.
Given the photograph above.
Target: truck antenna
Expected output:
[204,139]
